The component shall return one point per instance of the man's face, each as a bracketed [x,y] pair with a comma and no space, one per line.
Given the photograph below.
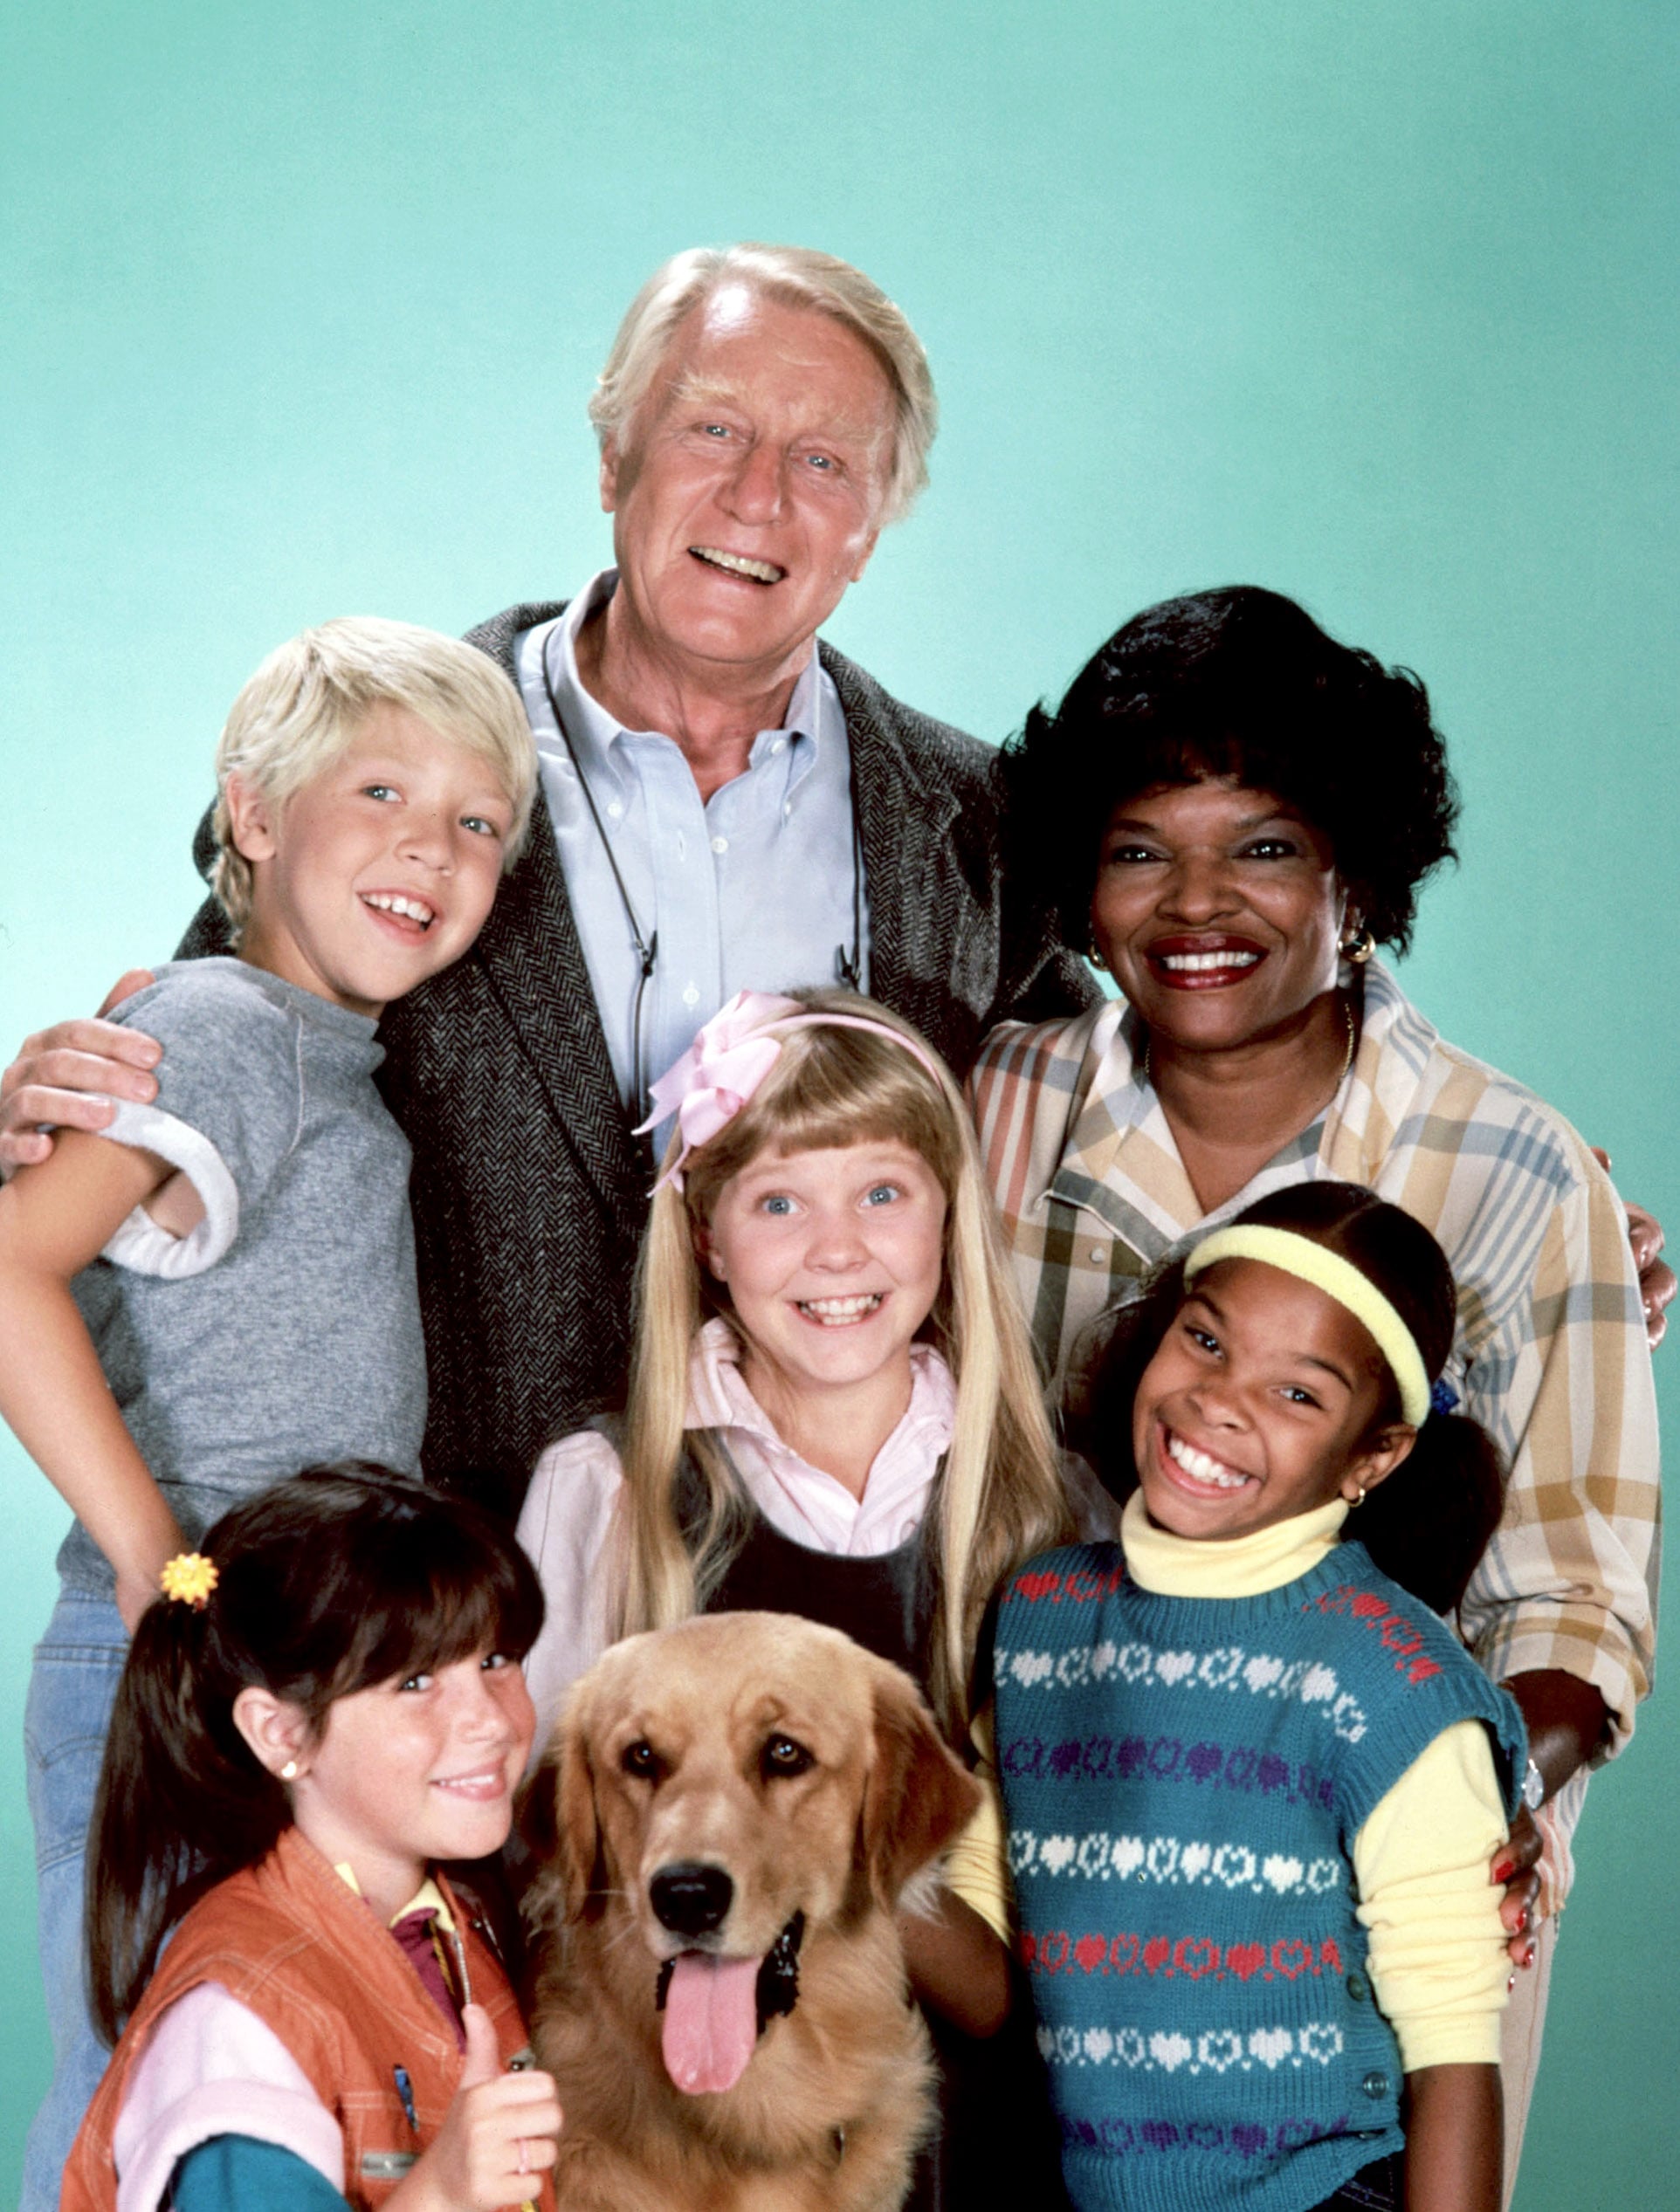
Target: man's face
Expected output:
[748,492]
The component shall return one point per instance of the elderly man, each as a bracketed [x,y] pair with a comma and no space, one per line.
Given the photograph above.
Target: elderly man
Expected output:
[731,805]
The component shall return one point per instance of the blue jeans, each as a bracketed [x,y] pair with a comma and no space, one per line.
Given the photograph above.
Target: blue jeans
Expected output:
[71,1690]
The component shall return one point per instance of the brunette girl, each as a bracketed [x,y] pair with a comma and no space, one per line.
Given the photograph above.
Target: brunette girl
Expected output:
[323,1705]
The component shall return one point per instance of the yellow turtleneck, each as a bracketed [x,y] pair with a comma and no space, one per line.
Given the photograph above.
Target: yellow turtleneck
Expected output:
[1238,1566]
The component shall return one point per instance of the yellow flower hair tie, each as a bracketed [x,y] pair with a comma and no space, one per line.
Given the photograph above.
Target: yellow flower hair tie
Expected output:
[188,1578]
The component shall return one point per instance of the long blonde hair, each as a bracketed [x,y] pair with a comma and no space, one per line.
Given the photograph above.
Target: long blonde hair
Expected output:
[1000,1497]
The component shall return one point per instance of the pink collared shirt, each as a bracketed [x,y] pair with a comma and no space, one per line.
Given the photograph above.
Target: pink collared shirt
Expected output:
[567,1525]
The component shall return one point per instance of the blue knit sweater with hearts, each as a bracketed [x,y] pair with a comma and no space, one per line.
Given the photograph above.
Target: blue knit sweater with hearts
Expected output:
[1184,1778]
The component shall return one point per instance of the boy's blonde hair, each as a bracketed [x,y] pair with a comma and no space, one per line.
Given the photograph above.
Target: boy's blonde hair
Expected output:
[310,698]
[1000,1497]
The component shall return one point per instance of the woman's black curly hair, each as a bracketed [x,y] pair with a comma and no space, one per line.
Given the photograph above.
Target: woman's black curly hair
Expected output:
[1238,682]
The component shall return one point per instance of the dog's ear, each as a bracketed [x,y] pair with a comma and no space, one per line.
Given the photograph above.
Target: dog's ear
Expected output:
[918,1796]
[534,1809]
[578,1842]
[557,1825]
[542,1900]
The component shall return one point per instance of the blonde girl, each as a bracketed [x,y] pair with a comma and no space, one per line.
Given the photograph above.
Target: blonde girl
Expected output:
[834,1408]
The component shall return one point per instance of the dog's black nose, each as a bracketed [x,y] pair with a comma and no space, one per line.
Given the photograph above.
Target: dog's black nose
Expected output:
[689,1898]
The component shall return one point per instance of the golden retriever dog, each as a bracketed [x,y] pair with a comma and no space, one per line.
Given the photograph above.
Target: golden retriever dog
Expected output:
[724,1823]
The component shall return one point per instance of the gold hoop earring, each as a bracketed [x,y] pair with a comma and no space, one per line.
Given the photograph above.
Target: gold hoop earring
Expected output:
[1353,1504]
[1358,949]
[1095,957]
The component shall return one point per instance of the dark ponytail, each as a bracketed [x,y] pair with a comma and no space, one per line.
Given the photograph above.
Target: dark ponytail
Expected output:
[1428,1523]
[339,1579]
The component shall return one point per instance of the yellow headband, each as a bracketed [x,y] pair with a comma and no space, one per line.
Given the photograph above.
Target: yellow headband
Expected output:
[1339,1279]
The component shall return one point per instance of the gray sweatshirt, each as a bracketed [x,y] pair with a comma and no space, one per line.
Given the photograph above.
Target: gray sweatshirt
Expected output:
[285,1329]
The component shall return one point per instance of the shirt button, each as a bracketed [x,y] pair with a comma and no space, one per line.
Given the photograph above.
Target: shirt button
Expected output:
[691,997]
[1358,1988]
[721,844]
[1097,1252]
[1375,2084]
[780,745]
[787,810]
[614,808]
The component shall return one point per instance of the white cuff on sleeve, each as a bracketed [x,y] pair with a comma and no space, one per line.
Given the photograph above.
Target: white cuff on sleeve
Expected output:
[138,1243]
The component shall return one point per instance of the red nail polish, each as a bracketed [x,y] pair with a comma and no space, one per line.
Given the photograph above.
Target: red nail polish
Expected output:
[1528,1955]
[1505,1870]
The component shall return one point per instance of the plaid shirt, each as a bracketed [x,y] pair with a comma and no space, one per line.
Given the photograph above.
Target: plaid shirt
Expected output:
[1550,1353]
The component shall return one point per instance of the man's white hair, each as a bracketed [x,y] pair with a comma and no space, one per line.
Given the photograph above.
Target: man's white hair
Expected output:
[306,703]
[796,277]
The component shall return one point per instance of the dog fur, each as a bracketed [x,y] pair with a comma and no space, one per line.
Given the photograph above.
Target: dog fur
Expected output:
[837,2095]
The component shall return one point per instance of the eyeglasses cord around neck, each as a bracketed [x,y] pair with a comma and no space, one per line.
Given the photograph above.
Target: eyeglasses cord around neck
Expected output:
[848,964]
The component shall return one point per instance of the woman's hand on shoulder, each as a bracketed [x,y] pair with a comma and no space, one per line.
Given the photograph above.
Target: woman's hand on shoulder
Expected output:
[1516,1864]
[499,2134]
[1657,1280]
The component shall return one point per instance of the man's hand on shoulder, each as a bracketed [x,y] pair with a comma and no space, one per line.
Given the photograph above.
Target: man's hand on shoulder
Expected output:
[65,1077]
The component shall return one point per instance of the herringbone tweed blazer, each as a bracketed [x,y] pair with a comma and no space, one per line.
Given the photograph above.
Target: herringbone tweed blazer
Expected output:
[529,1193]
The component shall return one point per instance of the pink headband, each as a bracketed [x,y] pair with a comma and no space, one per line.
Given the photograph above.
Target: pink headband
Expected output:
[730,1057]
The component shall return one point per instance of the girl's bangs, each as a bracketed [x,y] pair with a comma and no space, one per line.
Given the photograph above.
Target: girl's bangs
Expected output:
[841,1087]
[438,1606]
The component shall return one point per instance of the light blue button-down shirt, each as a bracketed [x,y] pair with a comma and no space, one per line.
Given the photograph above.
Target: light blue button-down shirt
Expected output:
[754,889]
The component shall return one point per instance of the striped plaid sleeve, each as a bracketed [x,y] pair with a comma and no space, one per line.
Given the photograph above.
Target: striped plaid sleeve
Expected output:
[1020,1072]
[1565,1385]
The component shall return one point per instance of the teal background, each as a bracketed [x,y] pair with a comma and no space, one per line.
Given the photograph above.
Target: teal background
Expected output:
[299,311]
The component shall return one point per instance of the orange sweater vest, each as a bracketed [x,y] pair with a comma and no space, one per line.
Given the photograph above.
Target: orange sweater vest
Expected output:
[291,1941]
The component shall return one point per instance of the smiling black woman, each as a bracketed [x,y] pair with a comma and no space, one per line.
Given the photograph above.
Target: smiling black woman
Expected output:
[1263,804]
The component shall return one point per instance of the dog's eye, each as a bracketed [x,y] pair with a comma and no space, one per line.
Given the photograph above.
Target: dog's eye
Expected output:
[781,1757]
[640,1760]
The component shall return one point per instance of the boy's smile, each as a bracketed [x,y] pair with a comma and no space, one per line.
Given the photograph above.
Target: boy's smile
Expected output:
[381,871]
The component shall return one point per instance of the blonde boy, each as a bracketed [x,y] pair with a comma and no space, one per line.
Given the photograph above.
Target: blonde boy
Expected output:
[219,1288]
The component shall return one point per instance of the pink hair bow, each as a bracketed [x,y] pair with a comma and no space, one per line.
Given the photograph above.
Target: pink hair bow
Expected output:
[730,1057]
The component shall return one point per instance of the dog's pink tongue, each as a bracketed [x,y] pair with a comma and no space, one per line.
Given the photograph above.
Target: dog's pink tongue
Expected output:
[711,2020]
